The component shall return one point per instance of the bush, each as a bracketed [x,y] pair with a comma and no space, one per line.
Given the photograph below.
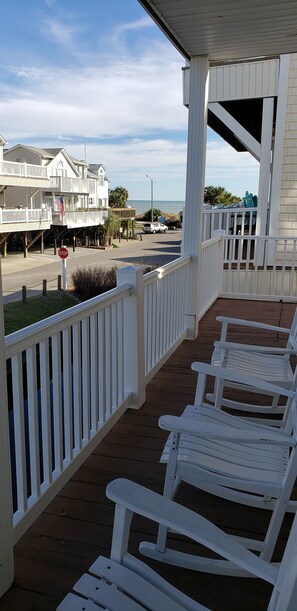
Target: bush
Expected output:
[89,282]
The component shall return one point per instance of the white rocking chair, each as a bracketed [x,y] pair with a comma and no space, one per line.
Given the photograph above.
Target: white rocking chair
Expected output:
[241,461]
[124,583]
[267,363]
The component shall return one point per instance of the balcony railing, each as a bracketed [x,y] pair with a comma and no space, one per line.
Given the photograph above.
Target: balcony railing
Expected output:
[124,213]
[68,380]
[260,267]
[80,218]
[27,170]
[25,215]
[234,221]
[64,184]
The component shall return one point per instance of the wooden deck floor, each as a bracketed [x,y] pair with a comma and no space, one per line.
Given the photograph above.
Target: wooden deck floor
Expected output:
[76,527]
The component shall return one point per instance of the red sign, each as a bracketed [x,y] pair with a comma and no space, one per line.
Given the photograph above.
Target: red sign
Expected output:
[63,252]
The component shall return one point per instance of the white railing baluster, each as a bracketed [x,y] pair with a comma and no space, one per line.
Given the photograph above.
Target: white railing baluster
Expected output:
[101,366]
[46,429]
[67,395]
[108,362]
[77,363]
[94,373]
[33,421]
[19,432]
[57,402]
[85,369]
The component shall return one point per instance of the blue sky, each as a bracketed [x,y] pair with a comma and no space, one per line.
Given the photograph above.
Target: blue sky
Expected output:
[100,79]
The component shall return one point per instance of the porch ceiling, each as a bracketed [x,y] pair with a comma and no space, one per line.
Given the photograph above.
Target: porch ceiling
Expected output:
[227,30]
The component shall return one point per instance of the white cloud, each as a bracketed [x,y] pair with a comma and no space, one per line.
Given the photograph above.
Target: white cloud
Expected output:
[123,97]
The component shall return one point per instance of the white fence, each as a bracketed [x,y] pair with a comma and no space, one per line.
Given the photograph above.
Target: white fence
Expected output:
[79,218]
[25,215]
[70,377]
[164,312]
[64,184]
[260,267]
[211,273]
[234,221]
[27,170]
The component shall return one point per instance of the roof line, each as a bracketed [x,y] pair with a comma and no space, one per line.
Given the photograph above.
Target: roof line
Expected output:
[164,27]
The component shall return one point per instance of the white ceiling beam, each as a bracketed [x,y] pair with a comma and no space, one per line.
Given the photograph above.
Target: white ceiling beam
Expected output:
[251,144]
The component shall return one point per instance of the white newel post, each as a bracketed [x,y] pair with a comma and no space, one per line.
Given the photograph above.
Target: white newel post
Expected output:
[193,218]
[6,540]
[134,364]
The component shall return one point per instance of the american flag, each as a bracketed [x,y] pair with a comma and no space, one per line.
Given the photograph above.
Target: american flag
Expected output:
[60,204]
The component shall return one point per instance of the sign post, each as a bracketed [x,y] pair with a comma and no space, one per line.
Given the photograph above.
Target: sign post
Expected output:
[63,254]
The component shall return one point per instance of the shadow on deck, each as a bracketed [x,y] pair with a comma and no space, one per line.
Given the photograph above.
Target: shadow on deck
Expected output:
[77,525]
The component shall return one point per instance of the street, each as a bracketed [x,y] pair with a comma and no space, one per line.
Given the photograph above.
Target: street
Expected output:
[153,249]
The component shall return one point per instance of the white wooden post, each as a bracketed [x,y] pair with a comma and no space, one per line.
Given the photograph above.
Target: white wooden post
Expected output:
[277,165]
[134,373]
[193,217]
[6,541]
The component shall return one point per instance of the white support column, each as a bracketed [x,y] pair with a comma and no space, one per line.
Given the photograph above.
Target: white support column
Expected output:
[265,165]
[277,163]
[6,539]
[134,364]
[193,216]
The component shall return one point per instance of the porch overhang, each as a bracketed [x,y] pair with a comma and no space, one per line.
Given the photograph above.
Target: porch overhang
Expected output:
[229,30]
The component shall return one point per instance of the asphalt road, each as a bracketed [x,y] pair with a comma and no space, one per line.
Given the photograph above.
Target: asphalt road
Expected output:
[157,250]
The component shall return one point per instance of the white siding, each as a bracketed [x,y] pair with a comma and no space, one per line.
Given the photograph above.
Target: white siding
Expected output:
[239,81]
[288,192]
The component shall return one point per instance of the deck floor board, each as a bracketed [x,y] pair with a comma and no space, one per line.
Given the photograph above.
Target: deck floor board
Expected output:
[77,525]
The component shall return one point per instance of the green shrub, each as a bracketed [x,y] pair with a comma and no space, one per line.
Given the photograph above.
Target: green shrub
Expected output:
[89,282]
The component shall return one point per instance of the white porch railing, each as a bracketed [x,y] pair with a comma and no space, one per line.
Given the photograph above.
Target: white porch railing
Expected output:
[80,218]
[234,221]
[260,267]
[164,312]
[27,170]
[25,215]
[211,273]
[64,184]
[70,377]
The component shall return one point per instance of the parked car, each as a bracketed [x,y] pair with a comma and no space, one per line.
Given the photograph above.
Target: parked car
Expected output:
[154,228]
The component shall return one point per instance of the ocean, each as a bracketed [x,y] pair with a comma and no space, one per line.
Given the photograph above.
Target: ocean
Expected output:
[142,205]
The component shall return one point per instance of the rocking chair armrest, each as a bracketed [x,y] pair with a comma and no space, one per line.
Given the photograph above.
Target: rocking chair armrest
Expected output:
[137,499]
[253,348]
[236,376]
[252,323]
[221,432]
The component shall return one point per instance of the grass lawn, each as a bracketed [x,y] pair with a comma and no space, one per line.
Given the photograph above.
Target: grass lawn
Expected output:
[18,314]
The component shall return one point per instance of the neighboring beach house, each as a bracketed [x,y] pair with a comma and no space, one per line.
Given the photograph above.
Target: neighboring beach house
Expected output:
[83,192]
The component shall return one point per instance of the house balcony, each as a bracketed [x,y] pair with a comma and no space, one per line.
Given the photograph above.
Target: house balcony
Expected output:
[79,218]
[24,219]
[16,174]
[63,184]
[76,526]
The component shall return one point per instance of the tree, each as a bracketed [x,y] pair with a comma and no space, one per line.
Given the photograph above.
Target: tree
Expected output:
[219,195]
[109,228]
[118,197]
[148,214]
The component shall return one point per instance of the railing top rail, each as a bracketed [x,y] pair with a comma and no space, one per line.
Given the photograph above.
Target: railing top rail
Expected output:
[214,239]
[29,336]
[260,237]
[229,210]
[166,269]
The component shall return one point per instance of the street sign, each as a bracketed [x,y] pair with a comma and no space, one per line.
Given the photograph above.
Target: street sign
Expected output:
[63,252]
